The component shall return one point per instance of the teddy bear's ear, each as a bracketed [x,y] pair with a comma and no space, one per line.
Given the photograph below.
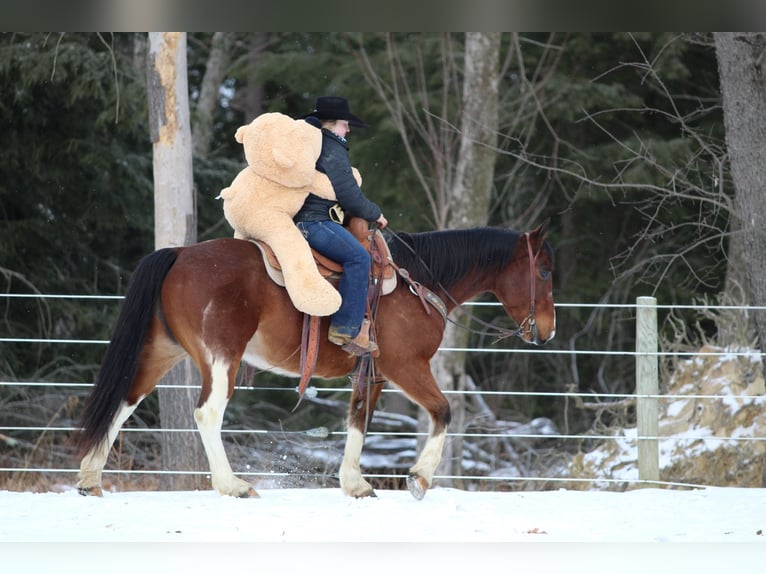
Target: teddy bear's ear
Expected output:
[240,134]
[282,159]
[357,176]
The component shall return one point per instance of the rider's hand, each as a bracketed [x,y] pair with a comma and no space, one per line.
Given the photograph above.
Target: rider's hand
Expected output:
[382,221]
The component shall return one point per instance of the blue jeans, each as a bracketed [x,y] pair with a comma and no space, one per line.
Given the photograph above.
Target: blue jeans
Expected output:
[336,242]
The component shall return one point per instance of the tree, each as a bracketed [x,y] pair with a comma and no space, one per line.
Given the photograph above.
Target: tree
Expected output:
[75,183]
[460,182]
[175,225]
[741,59]
[469,205]
[629,134]
[207,102]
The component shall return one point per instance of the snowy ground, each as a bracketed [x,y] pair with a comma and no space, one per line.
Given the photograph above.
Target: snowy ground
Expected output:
[454,517]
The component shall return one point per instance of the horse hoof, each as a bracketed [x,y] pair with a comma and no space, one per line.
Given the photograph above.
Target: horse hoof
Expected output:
[363,490]
[249,493]
[367,494]
[417,486]
[90,491]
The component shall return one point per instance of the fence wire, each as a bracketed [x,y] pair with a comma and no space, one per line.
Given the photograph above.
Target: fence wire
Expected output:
[322,432]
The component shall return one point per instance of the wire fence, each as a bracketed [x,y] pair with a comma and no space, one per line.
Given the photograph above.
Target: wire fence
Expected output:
[9,432]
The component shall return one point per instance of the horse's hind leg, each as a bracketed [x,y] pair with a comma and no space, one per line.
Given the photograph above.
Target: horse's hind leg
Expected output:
[158,356]
[217,387]
[92,464]
[360,413]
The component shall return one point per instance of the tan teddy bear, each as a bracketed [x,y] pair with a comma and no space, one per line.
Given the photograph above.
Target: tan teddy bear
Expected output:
[263,198]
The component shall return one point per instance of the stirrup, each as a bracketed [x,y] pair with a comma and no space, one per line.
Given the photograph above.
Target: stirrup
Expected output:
[353,349]
[359,345]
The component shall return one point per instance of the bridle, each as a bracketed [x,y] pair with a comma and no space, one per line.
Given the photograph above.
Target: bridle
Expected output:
[527,325]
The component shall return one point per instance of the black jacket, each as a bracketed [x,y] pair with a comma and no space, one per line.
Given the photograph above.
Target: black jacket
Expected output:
[334,162]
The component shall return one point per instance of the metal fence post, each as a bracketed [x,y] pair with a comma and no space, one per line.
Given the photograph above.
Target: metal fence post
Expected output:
[647,389]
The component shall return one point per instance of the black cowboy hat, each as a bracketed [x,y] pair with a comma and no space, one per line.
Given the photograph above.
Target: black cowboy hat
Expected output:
[334,108]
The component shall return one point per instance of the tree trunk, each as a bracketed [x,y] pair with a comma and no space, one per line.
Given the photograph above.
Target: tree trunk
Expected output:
[140,46]
[474,174]
[469,207]
[175,224]
[741,60]
[215,71]
[735,327]
[253,104]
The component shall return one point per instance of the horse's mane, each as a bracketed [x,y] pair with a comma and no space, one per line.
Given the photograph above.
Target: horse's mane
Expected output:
[441,258]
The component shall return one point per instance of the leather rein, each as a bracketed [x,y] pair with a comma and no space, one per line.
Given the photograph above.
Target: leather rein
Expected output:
[527,325]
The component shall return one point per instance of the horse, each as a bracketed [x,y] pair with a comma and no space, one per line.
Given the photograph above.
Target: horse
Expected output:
[214,301]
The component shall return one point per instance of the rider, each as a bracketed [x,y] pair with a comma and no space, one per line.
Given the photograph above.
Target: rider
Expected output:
[321,222]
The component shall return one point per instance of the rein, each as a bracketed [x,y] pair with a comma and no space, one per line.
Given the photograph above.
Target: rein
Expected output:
[526,326]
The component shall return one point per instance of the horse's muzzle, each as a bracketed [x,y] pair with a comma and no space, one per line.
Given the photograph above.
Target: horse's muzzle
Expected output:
[535,335]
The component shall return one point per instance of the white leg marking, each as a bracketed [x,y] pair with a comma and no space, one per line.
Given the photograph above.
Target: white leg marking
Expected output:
[209,419]
[94,461]
[351,480]
[430,457]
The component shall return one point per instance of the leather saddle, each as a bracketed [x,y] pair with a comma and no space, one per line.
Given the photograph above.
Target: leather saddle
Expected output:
[332,270]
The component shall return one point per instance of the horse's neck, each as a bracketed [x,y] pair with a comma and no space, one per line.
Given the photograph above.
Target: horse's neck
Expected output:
[463,290]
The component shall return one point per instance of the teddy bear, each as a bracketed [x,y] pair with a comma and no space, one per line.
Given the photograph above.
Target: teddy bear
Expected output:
[262,199]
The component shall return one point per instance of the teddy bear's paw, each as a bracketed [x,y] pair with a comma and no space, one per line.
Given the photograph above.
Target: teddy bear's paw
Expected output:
[320,299]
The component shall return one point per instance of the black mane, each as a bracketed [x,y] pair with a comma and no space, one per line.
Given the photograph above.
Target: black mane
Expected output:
[441,258]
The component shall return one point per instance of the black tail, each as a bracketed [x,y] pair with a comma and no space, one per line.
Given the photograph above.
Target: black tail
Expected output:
[118,369]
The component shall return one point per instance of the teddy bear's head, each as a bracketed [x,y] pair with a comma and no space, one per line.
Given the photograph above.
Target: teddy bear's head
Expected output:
[281,149]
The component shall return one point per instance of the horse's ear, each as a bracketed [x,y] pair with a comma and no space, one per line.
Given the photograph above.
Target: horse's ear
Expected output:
[542,229]
[541,232]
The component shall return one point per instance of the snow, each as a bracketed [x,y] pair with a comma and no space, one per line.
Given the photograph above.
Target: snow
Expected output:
[451,517]
[643,530]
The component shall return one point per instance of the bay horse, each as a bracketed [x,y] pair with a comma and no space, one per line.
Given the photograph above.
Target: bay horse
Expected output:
[213,301]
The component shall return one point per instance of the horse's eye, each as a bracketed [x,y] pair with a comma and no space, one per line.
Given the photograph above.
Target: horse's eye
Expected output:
[544,274]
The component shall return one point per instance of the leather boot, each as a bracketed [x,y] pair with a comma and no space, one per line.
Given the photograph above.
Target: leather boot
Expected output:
[359,345]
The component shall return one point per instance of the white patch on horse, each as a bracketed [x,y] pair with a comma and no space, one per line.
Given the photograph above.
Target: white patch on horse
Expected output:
[351,480]
[209,419]
[255,355]
[430,457]
[208,313]
[93,463]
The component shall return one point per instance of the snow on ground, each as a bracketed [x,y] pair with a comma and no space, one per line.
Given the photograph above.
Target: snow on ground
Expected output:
[451,516]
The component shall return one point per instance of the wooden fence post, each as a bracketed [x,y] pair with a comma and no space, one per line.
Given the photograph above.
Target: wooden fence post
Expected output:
[647,389]
[175,224]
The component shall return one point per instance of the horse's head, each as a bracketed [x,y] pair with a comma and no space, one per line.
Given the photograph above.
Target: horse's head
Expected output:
[525,287]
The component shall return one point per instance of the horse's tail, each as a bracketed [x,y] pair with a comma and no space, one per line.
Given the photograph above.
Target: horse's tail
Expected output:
[121,359]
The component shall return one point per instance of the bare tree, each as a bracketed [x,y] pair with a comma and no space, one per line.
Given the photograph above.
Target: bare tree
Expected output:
[249,98]
[741,60]
[420,117]
[175,224]
[468,206]
[460,162]
[254,96]
[215,71]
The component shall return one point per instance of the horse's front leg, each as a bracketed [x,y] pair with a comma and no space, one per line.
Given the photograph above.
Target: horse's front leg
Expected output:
[359,415]
[425,392]
[217,385]
[422,472]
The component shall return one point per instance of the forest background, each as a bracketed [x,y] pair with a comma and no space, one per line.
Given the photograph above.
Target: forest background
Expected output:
[618,139]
